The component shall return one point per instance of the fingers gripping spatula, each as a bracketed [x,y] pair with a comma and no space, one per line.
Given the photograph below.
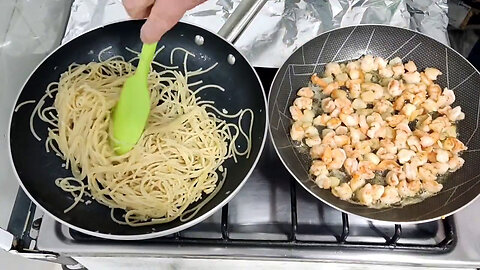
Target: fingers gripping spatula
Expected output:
[131,112]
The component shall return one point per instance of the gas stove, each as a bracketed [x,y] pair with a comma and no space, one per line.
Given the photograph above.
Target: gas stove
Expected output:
[271,218]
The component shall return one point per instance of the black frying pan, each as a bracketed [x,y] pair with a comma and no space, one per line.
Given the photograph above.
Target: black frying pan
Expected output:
[350,43]
[37,169]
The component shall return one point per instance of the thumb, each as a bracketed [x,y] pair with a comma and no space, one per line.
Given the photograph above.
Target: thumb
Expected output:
[164,15]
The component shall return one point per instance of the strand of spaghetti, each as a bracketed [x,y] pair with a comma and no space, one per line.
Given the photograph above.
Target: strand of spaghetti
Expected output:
[102,52]
[24,103]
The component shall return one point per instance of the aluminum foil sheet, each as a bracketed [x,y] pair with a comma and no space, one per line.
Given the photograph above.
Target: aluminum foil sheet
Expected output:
[283,26]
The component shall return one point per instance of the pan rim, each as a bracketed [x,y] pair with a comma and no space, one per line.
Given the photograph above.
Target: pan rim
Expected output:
[156,234]
[320,198]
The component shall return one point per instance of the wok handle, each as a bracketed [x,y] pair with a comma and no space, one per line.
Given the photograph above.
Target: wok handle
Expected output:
[240,19]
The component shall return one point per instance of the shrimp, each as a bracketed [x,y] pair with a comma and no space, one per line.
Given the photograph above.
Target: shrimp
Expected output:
[432,73]
[377,89]
[374,127]
[354,74]
[305,92]
[380,63]
[321,120]
[356,135]
[414,143]
[420,159]
[454,145]
[365,170]
[393,88]
[328,105]
[383,154]
[427,141]
[383,106]
[439,123]
[349,120]
[363,147]
[330,87]
[449,95]
[410,66]
[386,132]
[368,96]
[411,77]
[408,109]
[390,195]
[325,182]
[442,156]
[392,178]
[327,155]
[372,158]
[341,140]
[454,114]
[358,104]
[395,120]
[425,173]
[332,68]
[296,113]
[318,167]
[364,194]
[398,71]
[411,171]
[387,164]
[434,91]
[377,191]
[318,81]
[399,102]
[432,186]
[316,151]
[409,189]
[441,168]
[405,155]
[303,103]
[297,133]
[353,65]
[341,130]
[333,123]
[338,158]
[329,139]
[430,105]
[345,104]
[351,165]
[337,93]
[424,79]
[354,87]
[311,132]
[308,116]
[356,182]
[455,163]
[343,191]
[386,72]
[389,146]
[404,127]
[367,63]
[401,137]
[335,112]
[311,141]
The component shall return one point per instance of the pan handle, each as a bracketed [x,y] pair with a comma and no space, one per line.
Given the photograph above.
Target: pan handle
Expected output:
[240,19]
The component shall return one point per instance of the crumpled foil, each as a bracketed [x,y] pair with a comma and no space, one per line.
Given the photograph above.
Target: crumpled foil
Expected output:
[283,26]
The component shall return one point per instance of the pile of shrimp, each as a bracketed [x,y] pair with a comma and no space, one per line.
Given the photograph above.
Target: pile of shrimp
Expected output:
[371,119]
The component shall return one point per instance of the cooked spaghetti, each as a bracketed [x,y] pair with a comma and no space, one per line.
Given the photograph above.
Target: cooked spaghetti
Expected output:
[177,161]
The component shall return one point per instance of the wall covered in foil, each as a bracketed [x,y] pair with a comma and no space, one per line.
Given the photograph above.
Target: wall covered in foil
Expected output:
[283,26]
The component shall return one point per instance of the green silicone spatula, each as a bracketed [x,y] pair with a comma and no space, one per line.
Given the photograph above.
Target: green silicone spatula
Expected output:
[131,112]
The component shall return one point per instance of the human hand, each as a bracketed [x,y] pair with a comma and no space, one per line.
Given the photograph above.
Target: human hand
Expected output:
[161,15]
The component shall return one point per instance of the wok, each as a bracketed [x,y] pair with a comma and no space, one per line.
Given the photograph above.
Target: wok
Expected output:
[460,188]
